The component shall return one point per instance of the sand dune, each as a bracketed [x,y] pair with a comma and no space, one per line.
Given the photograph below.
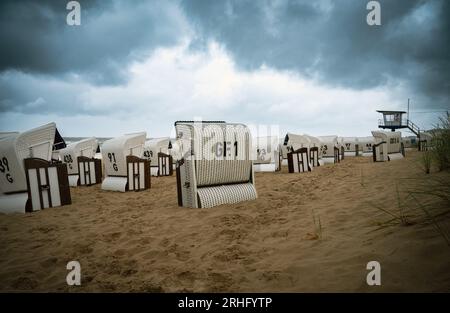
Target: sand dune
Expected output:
[144,242]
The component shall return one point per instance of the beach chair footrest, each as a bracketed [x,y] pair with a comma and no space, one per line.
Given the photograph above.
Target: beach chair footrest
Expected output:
[217,195]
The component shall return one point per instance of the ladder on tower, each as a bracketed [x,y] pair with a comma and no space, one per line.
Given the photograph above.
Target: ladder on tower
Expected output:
[416,130]
[413,127]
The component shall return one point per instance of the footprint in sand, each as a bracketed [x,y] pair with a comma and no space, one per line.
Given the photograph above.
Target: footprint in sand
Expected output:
[83,248]
[186,275]
[49,262]
[153,288]
[270,275]
[24,283]
[220,281]
[44,229]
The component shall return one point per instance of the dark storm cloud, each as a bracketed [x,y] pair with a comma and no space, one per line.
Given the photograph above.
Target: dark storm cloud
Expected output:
[47,66]
[35,37]
[331,41]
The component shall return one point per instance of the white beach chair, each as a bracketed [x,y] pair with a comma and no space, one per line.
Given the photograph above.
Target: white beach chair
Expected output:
[216,164]
[267,154]
[294,142]
[365,145]
[351,146]
[331,149]
[83,168]
[125,170]
[29,181]
[388,146]
[157,151]
[298,161]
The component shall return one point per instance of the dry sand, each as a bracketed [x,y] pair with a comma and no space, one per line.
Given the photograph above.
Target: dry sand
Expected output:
[144,242]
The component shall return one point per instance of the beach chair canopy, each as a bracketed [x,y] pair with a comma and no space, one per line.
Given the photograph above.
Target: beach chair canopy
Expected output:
[216,167]
[349,143]
[409,141]
[58,142]
[366,143]
[14,148]
[114,152]
[314,141]
[153,146]
[85,147]
[328,143]
[392,139]
[266,149]
[296,141]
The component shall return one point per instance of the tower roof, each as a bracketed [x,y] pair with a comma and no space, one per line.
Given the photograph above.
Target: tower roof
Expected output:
[390,112]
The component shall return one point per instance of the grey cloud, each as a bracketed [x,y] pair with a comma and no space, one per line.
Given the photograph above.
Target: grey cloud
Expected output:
[324,40]
[41,94]
[332,42]
[112,34]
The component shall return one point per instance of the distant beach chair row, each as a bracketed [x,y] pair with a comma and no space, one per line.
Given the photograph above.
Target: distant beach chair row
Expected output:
[214,162]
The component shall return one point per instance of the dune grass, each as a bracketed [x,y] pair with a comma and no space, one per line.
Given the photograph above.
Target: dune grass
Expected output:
[318,231]
[398,216]
[441,143]
[426,161]
[362,177]
[425,200]
[441,230]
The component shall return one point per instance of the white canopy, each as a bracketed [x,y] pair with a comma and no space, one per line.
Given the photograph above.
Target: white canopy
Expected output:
[16,147]
[266,149]
[153,146]
[393,139]
[349,143]
[297,141]
[366,144]
[114,152]
[327,145]
[85,147]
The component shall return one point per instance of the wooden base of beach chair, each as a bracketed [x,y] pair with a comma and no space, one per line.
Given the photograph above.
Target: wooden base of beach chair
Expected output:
[314,156]
[90,171]
[379,151]
[47,184]
[165,167]
[138,173]
[337,157]
[298,161]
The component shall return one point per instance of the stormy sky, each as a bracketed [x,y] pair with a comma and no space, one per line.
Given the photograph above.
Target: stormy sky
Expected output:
[303,66]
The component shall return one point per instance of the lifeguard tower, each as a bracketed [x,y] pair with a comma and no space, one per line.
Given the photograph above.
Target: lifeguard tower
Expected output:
[394,120]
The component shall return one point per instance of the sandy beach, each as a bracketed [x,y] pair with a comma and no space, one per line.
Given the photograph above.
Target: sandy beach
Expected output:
[144,242]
